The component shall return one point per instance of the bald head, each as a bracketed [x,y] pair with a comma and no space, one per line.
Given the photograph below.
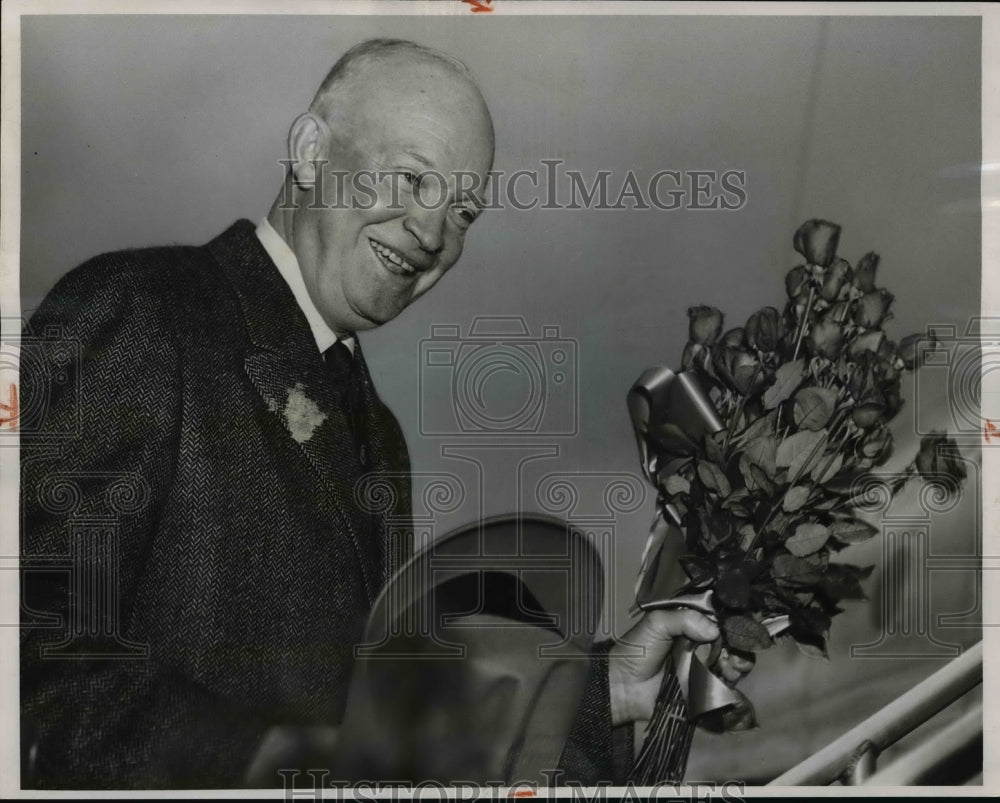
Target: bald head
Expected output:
[380,63]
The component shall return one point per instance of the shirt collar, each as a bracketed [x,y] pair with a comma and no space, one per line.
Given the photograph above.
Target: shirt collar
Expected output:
[288,266]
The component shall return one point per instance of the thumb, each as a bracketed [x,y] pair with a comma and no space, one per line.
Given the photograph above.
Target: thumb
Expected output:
[658,629]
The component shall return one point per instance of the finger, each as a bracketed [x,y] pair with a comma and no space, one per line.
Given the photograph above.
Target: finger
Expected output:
[669,624]
[727,669]
[656,632]
[743,662]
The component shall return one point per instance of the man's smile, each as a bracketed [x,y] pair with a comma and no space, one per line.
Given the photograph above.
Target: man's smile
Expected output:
[393,261]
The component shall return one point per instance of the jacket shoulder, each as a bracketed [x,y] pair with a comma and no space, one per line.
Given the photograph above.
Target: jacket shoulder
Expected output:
[162,284]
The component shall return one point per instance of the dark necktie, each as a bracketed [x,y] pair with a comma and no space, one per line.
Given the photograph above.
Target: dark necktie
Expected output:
[343,368]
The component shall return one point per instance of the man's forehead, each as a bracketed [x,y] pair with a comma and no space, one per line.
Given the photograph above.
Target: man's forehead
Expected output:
[418,110]
[427,138]
[413,80]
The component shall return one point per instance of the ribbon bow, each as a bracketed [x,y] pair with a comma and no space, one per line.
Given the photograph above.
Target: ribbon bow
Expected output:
[671,415]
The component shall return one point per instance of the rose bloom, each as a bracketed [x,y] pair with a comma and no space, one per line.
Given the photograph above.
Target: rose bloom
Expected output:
[735,338]
[704,324]
[938,458]
[914,349]
[764,329]
[864,274]
[817,241]
[826,338]
[795,281]
[877,445]
[834,278]
[739,369]
[862,381]
[887,351]
[696,356]
[869,342]
[863,385]
[893,398]
[872,308]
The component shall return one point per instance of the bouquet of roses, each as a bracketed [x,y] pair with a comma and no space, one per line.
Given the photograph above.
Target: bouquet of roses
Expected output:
[758,449]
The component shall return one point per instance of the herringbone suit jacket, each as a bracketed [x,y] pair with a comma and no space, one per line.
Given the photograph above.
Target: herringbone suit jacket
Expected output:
[189,459]
[201,539]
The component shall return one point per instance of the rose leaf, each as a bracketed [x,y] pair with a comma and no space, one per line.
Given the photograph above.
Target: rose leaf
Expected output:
[807,539]
[786,380]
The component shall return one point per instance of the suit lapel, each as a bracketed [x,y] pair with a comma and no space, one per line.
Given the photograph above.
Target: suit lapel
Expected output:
[285,368]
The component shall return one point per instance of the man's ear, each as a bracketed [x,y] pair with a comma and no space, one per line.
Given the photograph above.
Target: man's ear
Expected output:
[307,148]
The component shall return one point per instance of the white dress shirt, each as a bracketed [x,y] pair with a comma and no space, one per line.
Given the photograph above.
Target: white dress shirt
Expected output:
[288,266]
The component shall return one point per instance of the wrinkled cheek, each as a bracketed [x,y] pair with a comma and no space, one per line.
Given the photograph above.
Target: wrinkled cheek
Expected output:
[387,302]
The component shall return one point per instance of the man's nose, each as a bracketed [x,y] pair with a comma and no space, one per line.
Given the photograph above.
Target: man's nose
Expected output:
[427,225]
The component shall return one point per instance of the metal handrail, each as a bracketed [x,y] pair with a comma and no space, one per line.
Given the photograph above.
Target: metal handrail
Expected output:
[938,751]
[889,725]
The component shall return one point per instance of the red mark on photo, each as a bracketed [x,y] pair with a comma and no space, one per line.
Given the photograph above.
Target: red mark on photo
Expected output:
[990,429]
[480,6]
[8,412]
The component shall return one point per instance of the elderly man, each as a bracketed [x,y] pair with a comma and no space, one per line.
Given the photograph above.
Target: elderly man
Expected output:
[223,416]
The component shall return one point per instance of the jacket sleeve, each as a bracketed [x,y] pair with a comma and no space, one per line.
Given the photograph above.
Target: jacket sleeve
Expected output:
[597,751]
[101,411]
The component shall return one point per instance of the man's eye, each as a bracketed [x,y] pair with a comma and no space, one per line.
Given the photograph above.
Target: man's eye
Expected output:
[467,216]
[410,178]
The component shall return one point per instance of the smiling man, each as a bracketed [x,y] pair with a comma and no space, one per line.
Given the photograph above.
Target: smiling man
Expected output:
[222,418]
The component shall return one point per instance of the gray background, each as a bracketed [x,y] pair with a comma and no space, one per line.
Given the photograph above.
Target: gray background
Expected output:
[152,130]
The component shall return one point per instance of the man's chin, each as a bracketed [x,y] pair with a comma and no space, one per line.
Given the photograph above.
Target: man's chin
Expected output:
[376,314]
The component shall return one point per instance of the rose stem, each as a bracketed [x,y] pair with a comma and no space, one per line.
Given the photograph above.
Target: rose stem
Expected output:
[791,482]
[802,323]
[733,421]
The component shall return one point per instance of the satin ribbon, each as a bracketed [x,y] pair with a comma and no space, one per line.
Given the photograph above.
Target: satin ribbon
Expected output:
[706,695]
[660,397]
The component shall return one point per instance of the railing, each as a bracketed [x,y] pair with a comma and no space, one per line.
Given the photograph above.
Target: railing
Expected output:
[852,758]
